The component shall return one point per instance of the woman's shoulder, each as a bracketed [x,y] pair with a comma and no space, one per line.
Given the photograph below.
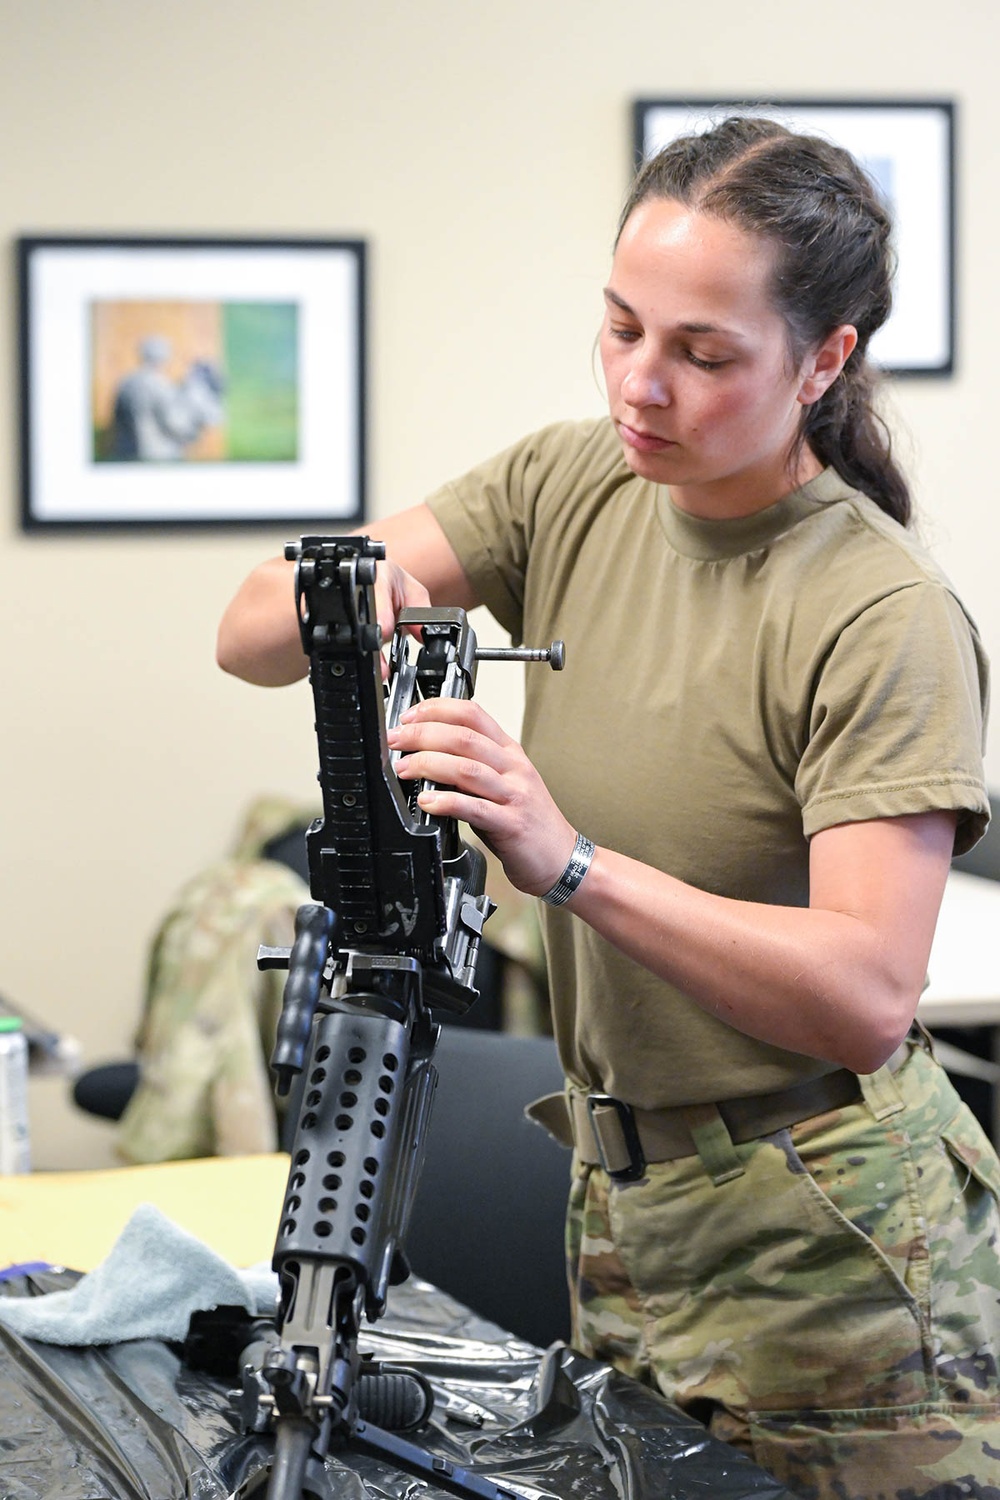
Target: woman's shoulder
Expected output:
[577,470]
[560,458]
[852,533]
[544,476]
[584,444]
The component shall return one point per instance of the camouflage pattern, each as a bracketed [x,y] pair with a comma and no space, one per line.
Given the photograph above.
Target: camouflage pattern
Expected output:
[832,1309]
[209,1017]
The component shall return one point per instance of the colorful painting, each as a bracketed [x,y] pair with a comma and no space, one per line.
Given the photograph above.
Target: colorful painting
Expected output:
[198,382]
[178,382]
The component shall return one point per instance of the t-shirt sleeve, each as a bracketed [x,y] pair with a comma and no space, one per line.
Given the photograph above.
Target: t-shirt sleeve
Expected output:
[487,517]
[494,514]
[896,721]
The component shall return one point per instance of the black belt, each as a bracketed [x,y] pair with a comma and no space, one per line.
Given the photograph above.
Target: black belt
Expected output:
[606,1132]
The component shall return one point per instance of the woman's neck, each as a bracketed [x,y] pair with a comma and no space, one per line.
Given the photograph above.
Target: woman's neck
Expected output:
[747,492]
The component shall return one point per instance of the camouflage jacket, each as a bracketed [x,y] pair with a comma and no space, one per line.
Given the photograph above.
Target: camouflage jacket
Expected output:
[209,1014]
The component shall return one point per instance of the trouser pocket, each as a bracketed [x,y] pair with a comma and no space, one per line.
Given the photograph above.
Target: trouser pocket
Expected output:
[929,1452]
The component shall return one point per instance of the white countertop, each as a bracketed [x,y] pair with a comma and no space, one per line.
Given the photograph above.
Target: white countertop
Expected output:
[964,966]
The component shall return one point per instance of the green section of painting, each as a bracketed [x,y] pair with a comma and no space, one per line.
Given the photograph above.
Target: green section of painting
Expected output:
[260,344]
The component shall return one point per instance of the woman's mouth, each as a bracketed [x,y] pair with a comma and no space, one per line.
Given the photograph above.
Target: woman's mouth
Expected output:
[643,442]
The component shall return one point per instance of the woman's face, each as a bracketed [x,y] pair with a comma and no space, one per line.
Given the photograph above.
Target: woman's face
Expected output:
[696,359]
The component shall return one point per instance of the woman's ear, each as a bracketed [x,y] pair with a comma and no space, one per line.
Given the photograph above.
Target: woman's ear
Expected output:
[821,368]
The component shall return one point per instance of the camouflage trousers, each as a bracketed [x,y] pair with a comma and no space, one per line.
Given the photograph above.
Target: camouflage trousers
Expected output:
[830,1303]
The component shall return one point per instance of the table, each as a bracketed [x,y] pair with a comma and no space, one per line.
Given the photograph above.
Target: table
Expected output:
[964,974]
[72,1219]
[136,1420]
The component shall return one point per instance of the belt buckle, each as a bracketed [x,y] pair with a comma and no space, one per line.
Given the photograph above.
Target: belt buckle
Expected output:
[630,1135]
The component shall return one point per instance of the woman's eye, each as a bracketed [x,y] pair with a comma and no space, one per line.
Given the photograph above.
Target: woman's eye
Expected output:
[706,364]
[627,335]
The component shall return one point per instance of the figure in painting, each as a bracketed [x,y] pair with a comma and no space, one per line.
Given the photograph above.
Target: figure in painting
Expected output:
[157,418]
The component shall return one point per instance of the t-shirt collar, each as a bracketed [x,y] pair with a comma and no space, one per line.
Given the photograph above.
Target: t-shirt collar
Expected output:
[706,540]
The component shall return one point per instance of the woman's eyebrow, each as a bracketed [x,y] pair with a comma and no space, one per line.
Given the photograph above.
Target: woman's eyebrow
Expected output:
[619,302]
[611,296]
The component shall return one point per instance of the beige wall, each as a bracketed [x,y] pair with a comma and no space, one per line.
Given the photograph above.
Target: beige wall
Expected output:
[482,151]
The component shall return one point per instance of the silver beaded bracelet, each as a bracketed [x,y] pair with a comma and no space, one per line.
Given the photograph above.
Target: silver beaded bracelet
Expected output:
[569,880]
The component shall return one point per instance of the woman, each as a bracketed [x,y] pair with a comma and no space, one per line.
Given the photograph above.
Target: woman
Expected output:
[738,804]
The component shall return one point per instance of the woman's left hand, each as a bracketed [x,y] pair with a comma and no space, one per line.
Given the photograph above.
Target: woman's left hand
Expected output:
[486,780]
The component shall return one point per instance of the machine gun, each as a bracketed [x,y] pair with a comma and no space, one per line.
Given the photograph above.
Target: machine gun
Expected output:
[392,934]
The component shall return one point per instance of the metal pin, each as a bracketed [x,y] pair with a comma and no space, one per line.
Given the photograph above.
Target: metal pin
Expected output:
[555,654]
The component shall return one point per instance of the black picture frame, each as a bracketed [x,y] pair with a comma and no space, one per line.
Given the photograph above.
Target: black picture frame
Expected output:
[908,146]
[187,382]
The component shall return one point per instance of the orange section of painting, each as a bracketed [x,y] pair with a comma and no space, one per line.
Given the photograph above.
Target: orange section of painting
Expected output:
[194,331]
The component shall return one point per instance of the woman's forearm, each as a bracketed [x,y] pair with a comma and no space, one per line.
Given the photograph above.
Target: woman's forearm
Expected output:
[258,636]
[838,980]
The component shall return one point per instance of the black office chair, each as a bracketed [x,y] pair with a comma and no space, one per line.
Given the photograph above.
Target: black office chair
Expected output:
[490,1207]
[976,1041]
[105,1089]
[984,859]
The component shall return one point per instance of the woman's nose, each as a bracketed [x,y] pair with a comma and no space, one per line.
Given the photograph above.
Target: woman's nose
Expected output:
[645,384]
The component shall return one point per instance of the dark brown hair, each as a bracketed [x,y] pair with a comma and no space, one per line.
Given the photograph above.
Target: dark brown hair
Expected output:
[834,266]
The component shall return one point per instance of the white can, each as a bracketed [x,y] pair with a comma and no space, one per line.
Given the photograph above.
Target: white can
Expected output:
[15,1155]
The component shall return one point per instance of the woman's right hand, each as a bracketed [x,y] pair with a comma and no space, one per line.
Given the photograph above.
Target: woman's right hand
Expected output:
[259,633]
[395,589]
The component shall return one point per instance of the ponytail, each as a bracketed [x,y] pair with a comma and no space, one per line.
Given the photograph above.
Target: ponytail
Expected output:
[846,432]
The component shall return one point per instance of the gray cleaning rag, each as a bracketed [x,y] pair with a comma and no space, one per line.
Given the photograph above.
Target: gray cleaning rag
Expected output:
[155,1276]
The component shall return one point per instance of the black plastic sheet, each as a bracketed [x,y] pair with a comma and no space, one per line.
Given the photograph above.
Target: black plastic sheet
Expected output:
[132,1421]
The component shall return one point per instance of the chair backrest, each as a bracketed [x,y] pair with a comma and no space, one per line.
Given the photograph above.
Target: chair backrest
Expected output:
[984,859]
[490,1207]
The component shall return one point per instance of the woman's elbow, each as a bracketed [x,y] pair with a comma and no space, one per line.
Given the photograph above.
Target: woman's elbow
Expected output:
[258,638]
[866,1046]
[263,664]
[226,655]
[231,654]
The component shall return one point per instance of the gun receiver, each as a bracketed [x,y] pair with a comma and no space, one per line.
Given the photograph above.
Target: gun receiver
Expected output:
[394,933]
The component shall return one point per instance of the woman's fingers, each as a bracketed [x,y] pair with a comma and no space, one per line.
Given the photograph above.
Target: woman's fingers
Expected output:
[460,711]
[453,740]
[416,741]
[484,778]
[395,589]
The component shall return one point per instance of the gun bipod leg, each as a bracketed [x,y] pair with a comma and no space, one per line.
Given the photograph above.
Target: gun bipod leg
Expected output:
[439,1472]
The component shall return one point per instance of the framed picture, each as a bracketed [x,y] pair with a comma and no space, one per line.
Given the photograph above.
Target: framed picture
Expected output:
[186,382]
[908,148]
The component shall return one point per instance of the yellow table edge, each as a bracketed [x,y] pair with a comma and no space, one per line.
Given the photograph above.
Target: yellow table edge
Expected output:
[232,1204]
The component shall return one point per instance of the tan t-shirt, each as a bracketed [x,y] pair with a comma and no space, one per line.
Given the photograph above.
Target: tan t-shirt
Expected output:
[731,687]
